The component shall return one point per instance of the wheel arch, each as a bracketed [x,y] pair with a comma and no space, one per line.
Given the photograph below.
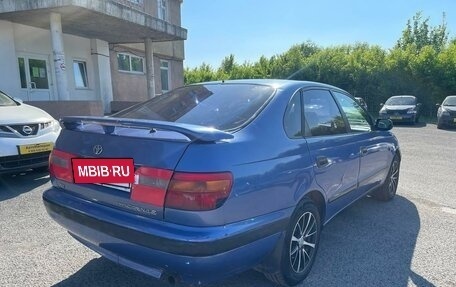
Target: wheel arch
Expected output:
[319,200]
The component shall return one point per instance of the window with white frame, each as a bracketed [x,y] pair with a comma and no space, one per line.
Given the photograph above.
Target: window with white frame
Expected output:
[80,74]
[162,7]
[164,75]
[130,63]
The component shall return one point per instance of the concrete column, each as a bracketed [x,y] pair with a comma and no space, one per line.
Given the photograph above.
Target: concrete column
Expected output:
[10,79]
[59,57]
[102,72]
[150,75]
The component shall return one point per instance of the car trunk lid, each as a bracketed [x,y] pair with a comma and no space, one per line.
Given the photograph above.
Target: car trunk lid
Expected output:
[155,147]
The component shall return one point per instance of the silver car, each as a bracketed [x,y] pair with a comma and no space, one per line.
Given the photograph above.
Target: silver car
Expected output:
[446,114]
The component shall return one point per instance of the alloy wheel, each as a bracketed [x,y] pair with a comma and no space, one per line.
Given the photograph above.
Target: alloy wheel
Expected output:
[394,178]
[303,242]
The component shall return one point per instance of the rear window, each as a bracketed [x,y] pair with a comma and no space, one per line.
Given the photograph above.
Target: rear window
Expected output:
[221,106]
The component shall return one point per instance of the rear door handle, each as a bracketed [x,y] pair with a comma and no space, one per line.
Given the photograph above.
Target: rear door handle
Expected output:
[322,161]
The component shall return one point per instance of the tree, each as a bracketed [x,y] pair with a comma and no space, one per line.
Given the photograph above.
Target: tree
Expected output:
[423,63]
[418,33]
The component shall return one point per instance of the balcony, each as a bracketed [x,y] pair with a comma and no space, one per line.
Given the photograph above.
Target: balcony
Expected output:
[114,21]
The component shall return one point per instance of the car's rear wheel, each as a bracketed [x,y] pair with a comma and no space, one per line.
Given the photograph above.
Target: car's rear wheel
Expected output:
[388,190]
[300,245]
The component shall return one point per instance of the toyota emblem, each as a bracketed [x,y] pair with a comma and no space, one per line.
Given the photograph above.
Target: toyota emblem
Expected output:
[97,149]
[27,130]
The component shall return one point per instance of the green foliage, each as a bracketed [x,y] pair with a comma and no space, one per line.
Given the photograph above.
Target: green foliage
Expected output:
[419,34]
[423,63]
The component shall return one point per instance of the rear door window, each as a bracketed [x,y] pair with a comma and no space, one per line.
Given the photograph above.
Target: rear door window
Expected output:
[221,106]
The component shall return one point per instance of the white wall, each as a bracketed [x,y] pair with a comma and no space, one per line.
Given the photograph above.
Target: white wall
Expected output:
[31,40]
[9,69]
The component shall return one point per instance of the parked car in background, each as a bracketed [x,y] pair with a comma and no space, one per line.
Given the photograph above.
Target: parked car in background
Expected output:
[401,109]
[225,176]
[27,136]
[361,102]
[446,114]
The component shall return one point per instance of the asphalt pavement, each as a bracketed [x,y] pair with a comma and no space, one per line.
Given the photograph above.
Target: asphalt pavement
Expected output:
[409,241]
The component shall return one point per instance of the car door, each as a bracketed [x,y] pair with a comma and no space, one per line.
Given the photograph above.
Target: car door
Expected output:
[332,148]
[374,151]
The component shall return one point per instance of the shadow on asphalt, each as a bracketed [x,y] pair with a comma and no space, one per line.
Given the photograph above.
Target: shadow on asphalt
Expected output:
[369,244]
[12,185]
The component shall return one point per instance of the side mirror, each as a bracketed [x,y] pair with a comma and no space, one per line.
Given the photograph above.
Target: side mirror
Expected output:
[18,100]
[418,105]
[383,124]
[381,104]
[437,105]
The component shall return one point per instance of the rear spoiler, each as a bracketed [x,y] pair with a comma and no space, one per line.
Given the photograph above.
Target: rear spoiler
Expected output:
[193,132]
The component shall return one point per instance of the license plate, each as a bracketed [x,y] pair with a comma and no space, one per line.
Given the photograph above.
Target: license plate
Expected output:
[395,118]
[35,148]
[103,170]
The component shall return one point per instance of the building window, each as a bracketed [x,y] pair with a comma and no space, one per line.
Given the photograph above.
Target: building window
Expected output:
[164,75]
[162,7]
[130,63]
[80,74]
[22,73]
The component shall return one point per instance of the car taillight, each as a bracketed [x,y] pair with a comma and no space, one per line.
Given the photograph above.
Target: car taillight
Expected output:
[150,185]
[198,191]
[185,191]
[60,165]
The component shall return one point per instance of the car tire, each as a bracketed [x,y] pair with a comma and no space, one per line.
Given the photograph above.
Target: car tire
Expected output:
[439,126]
[300,245]
[388,189]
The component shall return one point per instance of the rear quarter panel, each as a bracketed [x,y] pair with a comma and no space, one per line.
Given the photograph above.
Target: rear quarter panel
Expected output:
[271,172]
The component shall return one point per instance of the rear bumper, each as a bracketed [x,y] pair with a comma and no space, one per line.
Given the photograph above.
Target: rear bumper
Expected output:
[189,254]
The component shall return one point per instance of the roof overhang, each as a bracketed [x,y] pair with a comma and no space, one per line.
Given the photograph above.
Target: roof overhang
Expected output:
[106,20]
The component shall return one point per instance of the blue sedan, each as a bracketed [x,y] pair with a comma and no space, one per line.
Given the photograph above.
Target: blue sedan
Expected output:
[212,179]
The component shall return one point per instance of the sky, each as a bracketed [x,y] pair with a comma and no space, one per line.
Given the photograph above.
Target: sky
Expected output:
[249,29]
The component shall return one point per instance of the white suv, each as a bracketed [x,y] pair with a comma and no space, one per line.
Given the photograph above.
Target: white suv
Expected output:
[27,135]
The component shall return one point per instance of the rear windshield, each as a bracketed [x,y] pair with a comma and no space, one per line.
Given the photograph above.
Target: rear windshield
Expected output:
[450,101]
[399,101]
[221,106]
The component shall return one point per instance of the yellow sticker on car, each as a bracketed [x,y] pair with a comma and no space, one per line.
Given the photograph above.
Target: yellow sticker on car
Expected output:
[35,148]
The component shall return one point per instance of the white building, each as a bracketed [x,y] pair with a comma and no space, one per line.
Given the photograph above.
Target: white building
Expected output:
[79,56]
